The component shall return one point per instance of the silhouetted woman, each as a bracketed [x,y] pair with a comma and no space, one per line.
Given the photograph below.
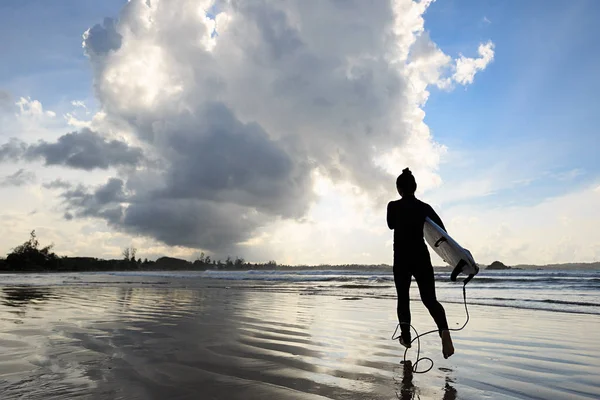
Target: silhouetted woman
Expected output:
[411,258]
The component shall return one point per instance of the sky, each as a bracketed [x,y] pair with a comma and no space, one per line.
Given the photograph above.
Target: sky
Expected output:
[273,130]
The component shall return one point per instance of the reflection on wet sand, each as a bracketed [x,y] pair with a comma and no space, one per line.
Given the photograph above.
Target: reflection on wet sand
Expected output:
[140,342]
[137,342]
[449,391]
[21,296]
[408,391]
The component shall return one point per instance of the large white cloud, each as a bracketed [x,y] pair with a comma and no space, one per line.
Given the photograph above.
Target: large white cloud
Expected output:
[238,114]
[241,111]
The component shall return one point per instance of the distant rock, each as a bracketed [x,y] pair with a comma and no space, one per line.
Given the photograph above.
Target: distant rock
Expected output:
[497,265]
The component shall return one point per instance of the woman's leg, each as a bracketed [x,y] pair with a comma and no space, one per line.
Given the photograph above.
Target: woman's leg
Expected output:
[425,279]
[402,278]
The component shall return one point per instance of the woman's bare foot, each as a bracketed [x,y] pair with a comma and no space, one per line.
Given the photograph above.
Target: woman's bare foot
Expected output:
[447,346]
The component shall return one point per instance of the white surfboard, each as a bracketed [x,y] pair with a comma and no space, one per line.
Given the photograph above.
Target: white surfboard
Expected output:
[449,250]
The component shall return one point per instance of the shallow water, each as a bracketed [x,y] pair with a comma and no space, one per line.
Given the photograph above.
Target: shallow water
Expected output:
[115,337]
[552,290]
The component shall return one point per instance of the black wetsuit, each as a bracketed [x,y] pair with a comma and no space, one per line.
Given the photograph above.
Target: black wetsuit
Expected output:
[411,258]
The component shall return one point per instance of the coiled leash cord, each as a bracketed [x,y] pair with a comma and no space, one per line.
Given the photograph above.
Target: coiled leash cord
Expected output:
[417,338]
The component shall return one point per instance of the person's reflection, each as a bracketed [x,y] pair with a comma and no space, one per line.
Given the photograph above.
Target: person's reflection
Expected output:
[408,390]
[449,391]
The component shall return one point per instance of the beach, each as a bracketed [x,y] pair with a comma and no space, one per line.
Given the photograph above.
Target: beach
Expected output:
[136,336]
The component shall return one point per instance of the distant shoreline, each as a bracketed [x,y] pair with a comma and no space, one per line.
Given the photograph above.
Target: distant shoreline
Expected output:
[183,265]
[31,258]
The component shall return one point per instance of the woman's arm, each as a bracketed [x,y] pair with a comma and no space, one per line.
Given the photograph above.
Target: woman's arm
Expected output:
[435,218]
[391,216]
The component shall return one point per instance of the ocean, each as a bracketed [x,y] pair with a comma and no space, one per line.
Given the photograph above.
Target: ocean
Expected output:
[551,290]
[293,334]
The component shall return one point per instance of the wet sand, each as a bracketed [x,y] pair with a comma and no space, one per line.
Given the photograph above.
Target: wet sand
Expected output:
[132,341]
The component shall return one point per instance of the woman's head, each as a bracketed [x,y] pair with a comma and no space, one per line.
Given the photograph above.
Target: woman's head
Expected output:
[406,183]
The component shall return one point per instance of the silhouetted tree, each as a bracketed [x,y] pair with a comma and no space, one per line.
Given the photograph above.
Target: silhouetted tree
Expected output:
[29,255]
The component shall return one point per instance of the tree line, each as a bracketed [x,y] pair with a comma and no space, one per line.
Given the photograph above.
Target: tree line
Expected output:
[31,256]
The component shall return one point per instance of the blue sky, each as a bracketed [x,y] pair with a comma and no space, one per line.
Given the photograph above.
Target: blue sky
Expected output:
[535,105]
[42,57]
[524,132]
[538,96]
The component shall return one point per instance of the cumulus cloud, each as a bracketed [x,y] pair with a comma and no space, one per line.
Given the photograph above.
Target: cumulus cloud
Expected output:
[25,117]
[19,178]
[427,65]
[85,150]
[32,108]
[75,122]
[242,120]
[466,67]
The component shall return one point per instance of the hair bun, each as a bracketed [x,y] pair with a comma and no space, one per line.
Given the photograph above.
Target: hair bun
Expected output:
[406,182]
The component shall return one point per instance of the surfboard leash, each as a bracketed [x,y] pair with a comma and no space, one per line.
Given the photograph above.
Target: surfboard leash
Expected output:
[418,337]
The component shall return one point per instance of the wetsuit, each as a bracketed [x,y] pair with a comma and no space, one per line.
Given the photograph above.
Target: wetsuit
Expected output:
[411,258]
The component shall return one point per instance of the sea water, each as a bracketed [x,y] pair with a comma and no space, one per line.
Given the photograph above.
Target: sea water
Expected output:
[574,291]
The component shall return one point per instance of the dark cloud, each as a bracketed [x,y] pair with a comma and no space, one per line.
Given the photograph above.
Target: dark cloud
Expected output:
[19,178]
[85,150]
[13,150]
[216,157]
[104,202]
[194,223]
[100,39]
[223,180]
[188,222]
[112,191]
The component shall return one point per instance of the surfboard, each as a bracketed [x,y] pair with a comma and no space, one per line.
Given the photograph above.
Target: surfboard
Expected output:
[459,258]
